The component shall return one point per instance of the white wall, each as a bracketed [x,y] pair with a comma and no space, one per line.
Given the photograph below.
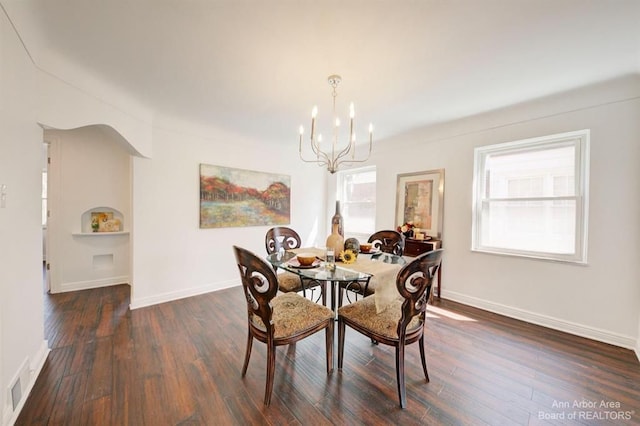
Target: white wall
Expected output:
[88,170]
[172,256]
[600,300]
[22,345]
[57,98]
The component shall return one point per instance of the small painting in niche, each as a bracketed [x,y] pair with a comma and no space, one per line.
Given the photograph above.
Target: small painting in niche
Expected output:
[104,222]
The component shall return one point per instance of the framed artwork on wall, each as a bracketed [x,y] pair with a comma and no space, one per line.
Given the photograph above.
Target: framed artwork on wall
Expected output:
[420,201]
[235,197]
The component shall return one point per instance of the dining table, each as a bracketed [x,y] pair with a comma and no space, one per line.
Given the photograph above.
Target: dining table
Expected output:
[375,271]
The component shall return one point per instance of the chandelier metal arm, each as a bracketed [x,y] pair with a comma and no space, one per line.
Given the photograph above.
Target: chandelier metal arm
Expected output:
[353,159]
[321,157]
[345,150]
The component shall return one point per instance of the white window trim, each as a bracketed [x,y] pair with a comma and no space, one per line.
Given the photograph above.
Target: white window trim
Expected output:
[581,138]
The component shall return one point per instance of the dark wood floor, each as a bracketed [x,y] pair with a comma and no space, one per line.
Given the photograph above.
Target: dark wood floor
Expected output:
[179,363]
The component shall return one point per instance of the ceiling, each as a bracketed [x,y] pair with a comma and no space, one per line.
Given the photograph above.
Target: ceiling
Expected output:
[257,67]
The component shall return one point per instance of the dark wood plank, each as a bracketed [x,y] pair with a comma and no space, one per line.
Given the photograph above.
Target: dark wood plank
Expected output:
[179,364]
[65,410]
[96,412]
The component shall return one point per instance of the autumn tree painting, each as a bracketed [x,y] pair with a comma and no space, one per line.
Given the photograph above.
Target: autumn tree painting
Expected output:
[236,197]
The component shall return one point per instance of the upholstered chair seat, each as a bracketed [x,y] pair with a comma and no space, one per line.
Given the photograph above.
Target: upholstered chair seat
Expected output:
[293,314]
[363,313]
[289,282]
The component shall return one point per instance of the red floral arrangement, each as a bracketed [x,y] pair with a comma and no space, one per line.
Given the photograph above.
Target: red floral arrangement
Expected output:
[406,229]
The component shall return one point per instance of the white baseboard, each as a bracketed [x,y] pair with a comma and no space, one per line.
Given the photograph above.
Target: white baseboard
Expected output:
[35,367]
[181,294]
[547,321]
[86,285]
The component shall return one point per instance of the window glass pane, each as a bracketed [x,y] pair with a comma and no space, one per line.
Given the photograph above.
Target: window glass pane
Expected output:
[563,186]
[360,187]
[524,187]
[357,194]
[530,173]
[359,219]
[540,226]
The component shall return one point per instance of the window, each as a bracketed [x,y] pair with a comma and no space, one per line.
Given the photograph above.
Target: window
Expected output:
[530,197]
[356,191]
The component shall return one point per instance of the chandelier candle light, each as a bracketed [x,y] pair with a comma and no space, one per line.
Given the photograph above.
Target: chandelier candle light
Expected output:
[336,156]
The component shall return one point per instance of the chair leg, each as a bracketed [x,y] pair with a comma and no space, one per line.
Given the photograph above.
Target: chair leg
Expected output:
[271,367]
[329,346]
[341,331]
[402,394]
[247,354]
[423,358]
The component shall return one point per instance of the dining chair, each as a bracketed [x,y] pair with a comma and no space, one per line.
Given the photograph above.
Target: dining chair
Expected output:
[281,236]
[400,323]
[388,241]
[278,319]
[284,238]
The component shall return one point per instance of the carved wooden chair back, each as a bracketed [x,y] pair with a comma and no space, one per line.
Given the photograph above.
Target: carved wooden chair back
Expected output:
[414,282]
[388,241]
[260,285]
[281,236]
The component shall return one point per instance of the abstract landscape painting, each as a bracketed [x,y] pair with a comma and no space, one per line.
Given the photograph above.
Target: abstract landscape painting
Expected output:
[235,197]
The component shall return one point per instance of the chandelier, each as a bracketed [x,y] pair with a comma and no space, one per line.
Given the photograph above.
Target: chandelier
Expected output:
[331,154]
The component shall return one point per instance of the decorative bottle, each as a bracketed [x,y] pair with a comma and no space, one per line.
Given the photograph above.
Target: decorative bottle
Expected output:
[336,239]
[337,220]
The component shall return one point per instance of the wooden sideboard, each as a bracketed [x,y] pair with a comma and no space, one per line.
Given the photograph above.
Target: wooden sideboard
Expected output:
[415,248]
